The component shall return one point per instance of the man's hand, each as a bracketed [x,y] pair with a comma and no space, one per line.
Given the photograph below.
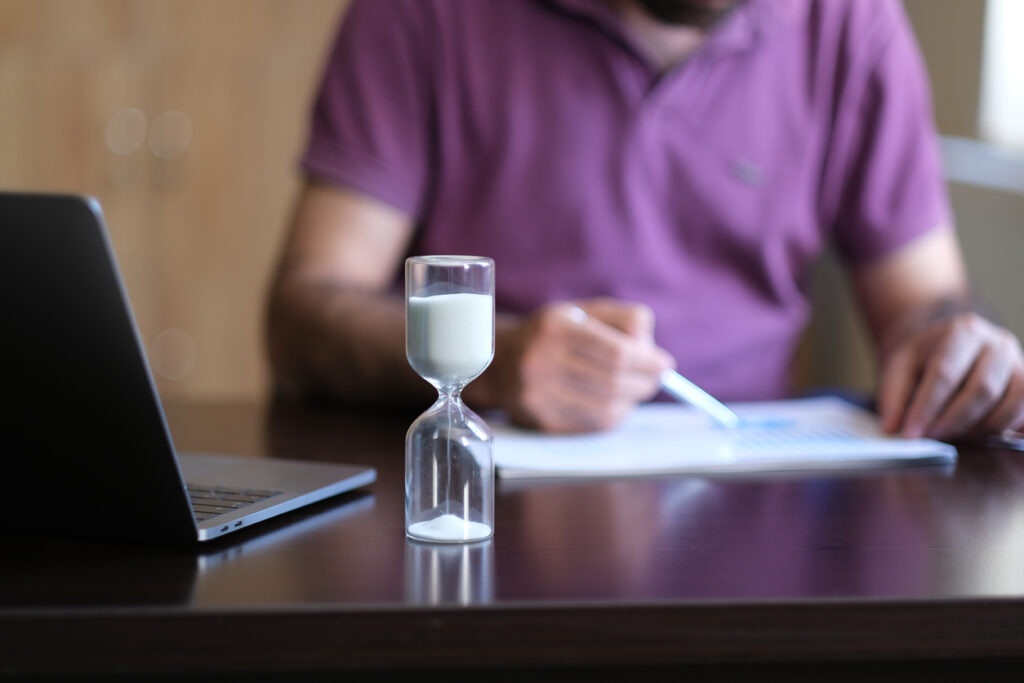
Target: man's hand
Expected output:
[954,377]
[582,366]
[946,373]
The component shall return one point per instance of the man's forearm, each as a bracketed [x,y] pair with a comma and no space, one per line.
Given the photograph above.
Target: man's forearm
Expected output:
[329,340]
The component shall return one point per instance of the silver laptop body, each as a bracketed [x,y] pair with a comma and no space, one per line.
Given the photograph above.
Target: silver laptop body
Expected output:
[84,445]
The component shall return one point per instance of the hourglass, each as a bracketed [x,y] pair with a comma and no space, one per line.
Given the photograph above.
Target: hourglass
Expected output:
[449,341]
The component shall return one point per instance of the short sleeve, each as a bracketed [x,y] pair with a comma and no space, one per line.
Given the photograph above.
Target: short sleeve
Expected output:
[890,187]
[371,118]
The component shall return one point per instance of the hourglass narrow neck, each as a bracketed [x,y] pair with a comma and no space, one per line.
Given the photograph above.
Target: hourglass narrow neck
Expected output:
[451,393]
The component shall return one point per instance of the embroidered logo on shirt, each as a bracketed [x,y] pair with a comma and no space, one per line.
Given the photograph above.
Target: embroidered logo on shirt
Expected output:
[747,171]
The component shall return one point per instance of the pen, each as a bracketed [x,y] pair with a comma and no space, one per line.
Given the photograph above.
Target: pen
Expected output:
[682,389]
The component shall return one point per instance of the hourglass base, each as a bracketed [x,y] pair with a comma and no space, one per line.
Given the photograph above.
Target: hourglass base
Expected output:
[449,529]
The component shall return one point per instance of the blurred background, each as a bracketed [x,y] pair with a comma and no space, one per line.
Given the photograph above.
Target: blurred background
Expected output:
[186,119]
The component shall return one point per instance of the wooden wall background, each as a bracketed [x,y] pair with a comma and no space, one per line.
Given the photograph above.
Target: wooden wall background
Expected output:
[185,118]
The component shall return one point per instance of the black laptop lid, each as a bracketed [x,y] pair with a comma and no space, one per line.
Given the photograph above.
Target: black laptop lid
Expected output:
[83,443]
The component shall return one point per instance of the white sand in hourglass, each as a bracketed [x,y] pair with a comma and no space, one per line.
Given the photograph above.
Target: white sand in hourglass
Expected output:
[450,335]
[450,527]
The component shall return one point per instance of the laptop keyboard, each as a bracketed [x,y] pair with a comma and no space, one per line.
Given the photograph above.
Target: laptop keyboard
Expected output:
[209,501]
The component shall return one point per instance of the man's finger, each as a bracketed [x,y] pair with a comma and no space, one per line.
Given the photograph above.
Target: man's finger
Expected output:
[635,319]
[981,392]
[1009,412]
[617,350]
[584,374]
[898,378]
[559,408]
[945,370]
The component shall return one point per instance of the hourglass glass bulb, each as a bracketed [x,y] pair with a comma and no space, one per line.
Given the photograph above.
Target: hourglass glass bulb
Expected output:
[449,466]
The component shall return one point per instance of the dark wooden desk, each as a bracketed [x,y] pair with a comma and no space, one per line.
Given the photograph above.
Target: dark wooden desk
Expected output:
[887,574]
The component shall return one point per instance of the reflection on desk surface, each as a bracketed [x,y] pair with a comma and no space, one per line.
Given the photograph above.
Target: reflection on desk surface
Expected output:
[890,534]
[930,533]
[268,565]
[40,570]
[449,574]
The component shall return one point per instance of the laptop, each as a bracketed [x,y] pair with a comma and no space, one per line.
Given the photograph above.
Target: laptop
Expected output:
[84,444]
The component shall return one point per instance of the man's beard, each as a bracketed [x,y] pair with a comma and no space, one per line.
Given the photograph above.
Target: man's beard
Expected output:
[688,12]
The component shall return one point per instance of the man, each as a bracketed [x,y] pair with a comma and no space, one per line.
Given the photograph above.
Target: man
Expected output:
[673,161]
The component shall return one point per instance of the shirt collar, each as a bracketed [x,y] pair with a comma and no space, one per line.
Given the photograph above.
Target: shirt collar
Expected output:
[752,23]
[747,26]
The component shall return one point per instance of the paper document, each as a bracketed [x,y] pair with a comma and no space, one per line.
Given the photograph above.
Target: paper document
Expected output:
[663,438]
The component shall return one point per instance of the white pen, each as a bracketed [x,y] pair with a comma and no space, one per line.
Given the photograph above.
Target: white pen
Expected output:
[682,389]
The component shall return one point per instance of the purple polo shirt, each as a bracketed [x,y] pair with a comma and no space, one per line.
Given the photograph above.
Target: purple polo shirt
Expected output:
[537,133]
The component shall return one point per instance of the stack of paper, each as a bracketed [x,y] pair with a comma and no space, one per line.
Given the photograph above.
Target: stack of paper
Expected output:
[809,434]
